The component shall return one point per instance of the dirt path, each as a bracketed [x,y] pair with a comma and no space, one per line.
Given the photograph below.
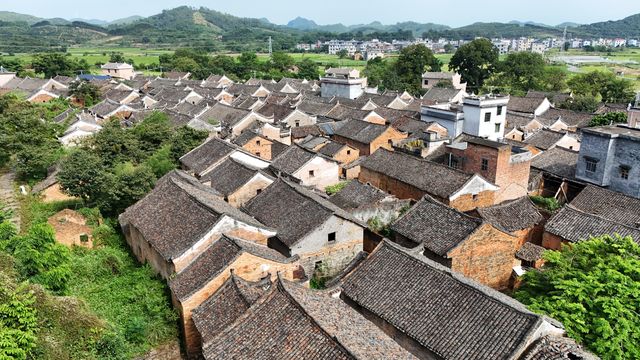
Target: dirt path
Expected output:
[8,195]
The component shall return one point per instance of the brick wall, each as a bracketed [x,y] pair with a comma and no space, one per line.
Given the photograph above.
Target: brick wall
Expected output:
[468,202]
[147,254]
[552,242]
[390,185]
[260,147]
[487,256]
[248,191]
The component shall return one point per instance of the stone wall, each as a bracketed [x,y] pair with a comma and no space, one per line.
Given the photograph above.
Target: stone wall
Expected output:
[260,147]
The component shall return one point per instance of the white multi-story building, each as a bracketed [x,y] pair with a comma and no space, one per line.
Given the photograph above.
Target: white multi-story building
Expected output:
[335,46]
[502,45]
[538,48]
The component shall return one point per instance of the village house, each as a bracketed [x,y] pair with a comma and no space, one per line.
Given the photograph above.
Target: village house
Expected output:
[179,219]
[410,177]
[535,106]
[259,145]
[546,139]
[520,126]
[107,109]
[118,70]
[307,167]
[207,272]
[343,83]
[82,126]
[553,174]
[304,324]
[237,182]
[431,80]
[205,157]
[49,189]
[286,115]
[633,112]
[366,202]
[465,244]
[609,157]
[593,212]
[436,313]
[234,119]
[520,218]
[71,228]
[325,237]
[367,137]
[502,164]
[481,116]
[439,95]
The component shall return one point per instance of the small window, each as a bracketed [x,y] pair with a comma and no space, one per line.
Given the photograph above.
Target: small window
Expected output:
[84,238]
[592,165]
[624,172]
[258,154]
[390,142]
[498,128]
[499,110]
[226,199]
[258,142]
[485,165]
[312,173]
[258,191]
[348,152]
[487,117]
[297,123]
[318,265]
[475,197]
[331,237]
[426,82]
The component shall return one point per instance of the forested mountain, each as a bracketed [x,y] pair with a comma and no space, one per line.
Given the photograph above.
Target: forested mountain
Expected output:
[215,31]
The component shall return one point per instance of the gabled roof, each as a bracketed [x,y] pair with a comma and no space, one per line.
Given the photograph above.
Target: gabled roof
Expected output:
[569,117]
[544,139]
[227,304]
[229,176]
[527,105]
[331,148]
[292,159]
[356,194]
[513,215]
[307,324]
[209,153]
[574,225]
[530,252]
[611,205]
[557,348]
[361,131]
[178,212]
[313,107]
[275,111]
[438,75]
[116,66]
[436,226]
[441,95]
[342,112]
[557,161]
[227,116]
[437,179]
[214,260]
[451,316]
[292,210]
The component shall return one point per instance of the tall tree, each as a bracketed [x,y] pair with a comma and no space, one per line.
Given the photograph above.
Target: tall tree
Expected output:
[593,288]
[52,64]
[413,61]
[475,62]
[523,71]
[85,92]
[308,69]
[603,86]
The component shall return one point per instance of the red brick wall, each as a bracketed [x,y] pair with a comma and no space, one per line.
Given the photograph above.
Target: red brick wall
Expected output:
[264,149]
[392,186]
[487,256]
[468,202]
[552,242]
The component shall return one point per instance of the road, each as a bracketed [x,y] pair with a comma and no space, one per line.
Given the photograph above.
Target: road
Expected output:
[8,196]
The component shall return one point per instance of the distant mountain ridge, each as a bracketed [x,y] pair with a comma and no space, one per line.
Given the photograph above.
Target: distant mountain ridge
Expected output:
[304,24]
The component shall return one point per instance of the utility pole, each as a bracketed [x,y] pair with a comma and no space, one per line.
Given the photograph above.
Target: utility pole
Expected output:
[270,47]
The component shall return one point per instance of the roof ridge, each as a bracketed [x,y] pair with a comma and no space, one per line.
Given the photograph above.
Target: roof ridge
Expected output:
[573,208]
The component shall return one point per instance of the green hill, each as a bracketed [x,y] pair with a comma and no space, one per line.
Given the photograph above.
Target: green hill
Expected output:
[8,16]
[628,27]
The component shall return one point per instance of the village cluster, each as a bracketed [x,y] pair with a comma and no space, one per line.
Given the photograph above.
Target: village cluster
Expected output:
[371,49]
[246,229]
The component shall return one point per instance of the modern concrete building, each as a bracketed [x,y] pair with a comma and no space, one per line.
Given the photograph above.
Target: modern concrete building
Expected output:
[610,157]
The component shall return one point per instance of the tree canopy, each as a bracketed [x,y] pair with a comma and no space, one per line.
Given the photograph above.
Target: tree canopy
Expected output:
[475,61]
[593,288]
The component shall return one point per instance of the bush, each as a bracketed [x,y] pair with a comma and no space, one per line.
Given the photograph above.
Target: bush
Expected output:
[334,189]
[549,204]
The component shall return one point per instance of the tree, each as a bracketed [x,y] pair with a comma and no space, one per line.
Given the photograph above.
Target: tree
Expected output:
[610,118]
[603,86]
[375,72]
[554,79]
[308,69]
[475,62]
[247,64]
[152,132]
[52,64]
[82,174]
[281,61]
[85,92]
[448,48]
[115,145]
[413,61]
[522,71]
[18,321]
[593,288]
[184,140]
[582,103]
[126,186]
[117,57]
[342,54]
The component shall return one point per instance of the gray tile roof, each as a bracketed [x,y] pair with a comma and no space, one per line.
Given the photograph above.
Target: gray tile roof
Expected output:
[209,153]
[227,116]
[437,179]
[611,205]
[451,316]
[544,139]
[557,348]
[178,212]
[574,225]
[441,95]
[530,252]
[557,161]
[292,159]
[569,117]
[343,112]
[275,111]
[229,176]
[513,215]
[436,226]
[526,105]
[292,210]
[227,304]
[331,149]
[356,194]
[360,131]
[314,108]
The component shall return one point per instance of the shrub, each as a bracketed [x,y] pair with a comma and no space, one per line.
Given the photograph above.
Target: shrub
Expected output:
[549,204]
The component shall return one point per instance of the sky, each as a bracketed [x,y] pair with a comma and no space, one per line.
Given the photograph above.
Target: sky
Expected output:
[349,12]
